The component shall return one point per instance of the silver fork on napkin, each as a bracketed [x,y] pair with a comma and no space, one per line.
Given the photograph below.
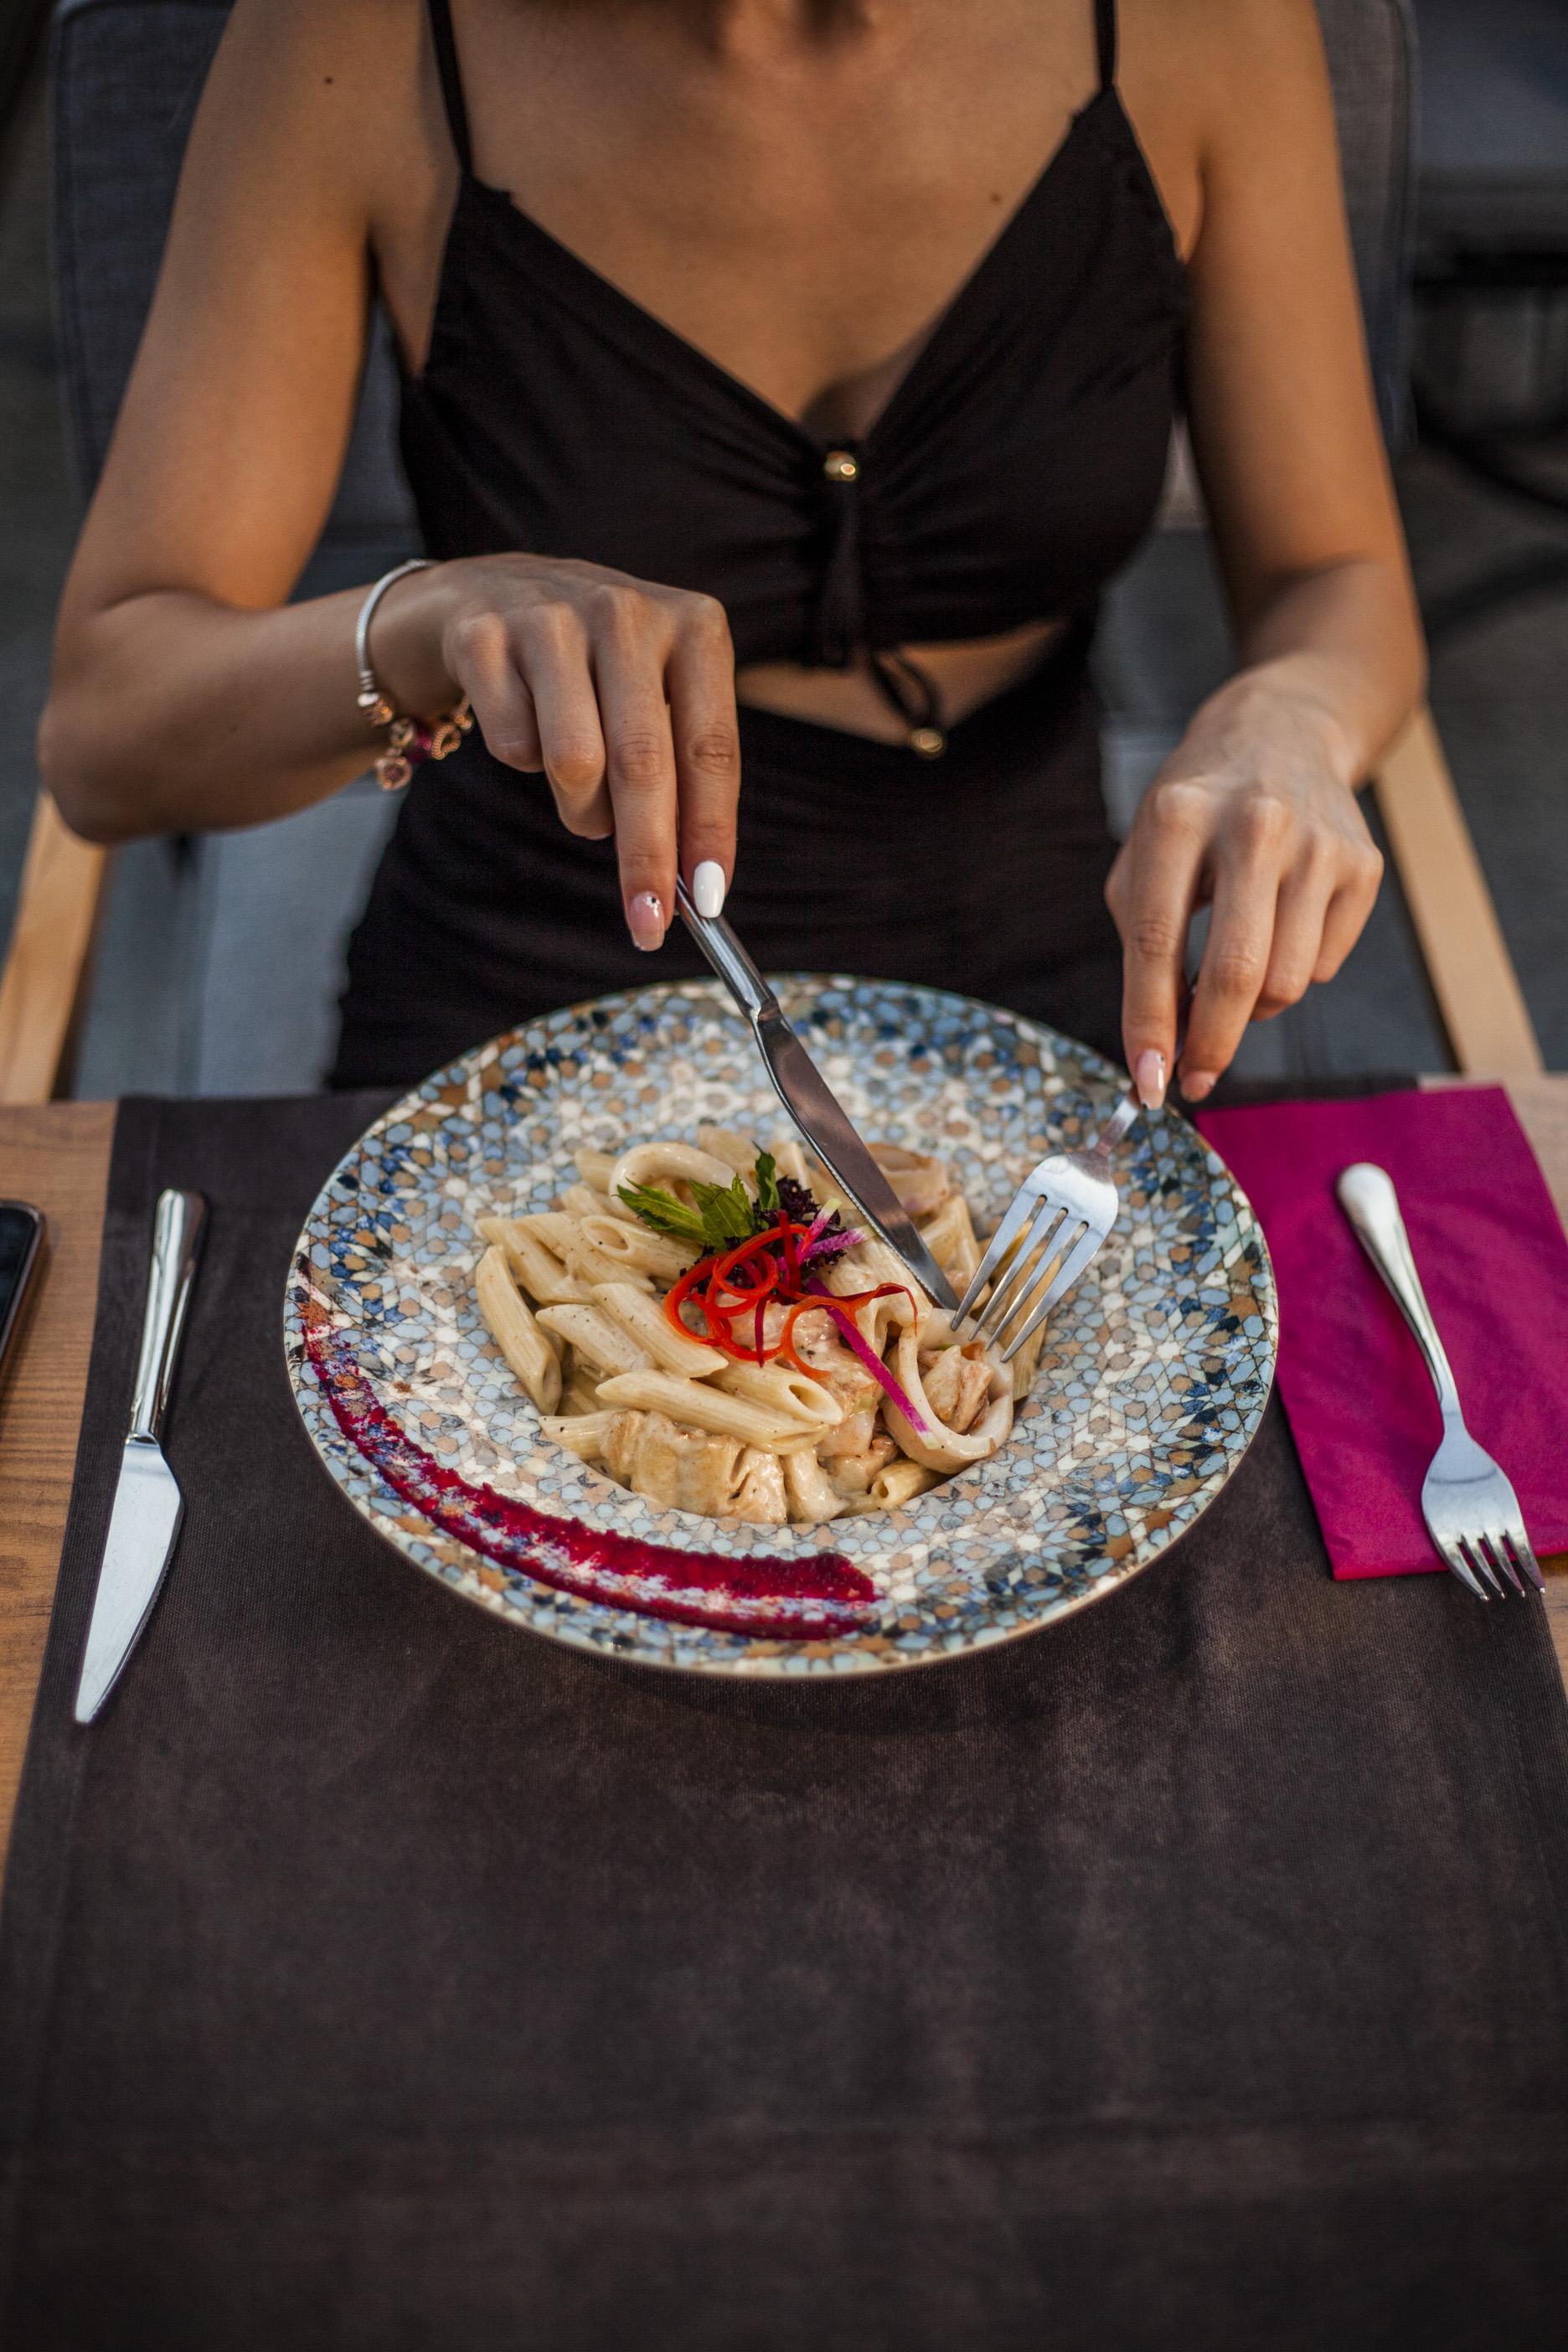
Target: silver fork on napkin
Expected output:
[148,1506]
[1471,1511]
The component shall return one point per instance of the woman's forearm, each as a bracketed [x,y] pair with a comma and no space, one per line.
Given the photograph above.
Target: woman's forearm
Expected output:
[170,712]
[1342,649]
[1254,814]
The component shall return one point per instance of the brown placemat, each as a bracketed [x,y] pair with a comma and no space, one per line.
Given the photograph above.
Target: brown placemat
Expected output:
[374,1975]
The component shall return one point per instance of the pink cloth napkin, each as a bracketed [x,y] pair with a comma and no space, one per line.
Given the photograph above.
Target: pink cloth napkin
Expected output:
[1493,1261]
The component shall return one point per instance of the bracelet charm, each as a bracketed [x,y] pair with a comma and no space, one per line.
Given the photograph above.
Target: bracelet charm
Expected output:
[408,740]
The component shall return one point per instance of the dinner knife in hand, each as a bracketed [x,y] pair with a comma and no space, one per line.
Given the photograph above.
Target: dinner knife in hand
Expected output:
[147,1502]
[811,1102]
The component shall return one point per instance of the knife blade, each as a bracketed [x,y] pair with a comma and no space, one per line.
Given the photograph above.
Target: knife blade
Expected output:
[812,1104]
[145,1521]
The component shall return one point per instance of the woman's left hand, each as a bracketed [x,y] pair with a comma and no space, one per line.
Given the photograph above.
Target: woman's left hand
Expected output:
[1254,813]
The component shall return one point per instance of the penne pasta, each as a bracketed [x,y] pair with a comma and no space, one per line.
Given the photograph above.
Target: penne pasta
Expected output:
[922,1183]
[667,1164]
[635,1250]
[949,1234]
[811,1493]
[591,1264]
[777,1388]
[900,1482]
[536,1269]
[577,1297]
[581,1433]
[515,1332]
[557,1228]
[699,1405]
[790,1160]
[736,1150]
[597,1339]
[582,1201]
[1026,1363]
[580,1395]
[648,1323]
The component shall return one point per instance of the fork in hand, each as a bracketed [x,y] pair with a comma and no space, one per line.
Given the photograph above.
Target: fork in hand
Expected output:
[1064,1208]
[1471,1512]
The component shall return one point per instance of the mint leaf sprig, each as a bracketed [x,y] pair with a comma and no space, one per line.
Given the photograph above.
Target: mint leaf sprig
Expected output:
[723,1215]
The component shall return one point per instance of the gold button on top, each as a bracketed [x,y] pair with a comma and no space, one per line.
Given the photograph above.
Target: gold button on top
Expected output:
[840,466]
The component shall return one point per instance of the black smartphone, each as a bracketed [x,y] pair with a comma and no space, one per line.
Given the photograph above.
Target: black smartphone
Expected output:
[21,1263]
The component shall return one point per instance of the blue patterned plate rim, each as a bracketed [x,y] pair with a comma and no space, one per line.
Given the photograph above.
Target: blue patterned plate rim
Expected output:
[1152,1387]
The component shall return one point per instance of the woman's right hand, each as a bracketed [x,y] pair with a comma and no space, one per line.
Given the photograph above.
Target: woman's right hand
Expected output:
[622,691]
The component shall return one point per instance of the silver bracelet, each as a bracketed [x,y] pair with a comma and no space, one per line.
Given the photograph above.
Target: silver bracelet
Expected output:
[373,700]
[408,740]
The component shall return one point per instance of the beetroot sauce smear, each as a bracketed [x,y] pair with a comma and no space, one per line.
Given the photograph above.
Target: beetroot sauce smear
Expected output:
[796,1600]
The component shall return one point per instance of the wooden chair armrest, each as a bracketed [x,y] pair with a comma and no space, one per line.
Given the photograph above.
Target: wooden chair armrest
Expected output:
[1467,962]
[45,979]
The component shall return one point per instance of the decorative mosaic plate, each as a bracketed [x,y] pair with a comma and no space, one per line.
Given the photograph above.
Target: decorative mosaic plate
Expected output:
[1153,1378]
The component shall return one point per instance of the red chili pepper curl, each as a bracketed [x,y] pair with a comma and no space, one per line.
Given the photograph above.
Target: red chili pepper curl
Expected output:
[772,1263]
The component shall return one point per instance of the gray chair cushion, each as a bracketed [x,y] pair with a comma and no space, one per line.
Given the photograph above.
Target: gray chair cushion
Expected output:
[1371,50]
[221,959]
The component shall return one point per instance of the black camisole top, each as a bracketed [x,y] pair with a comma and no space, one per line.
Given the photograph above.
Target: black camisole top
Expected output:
[1014,469]
[1018,464]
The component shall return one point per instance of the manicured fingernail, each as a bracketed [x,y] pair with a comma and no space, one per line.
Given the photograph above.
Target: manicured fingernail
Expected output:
[1199,1083]
[1149,1076]
[645,919]
[708,888]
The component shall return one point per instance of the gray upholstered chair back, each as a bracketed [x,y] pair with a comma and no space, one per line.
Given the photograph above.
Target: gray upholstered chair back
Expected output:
[1372,54]
[219,962]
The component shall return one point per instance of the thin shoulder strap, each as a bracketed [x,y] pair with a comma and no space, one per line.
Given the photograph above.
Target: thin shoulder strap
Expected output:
[1105,35]
[451,81]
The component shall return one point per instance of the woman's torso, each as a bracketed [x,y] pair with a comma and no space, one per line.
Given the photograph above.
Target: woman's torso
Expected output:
[665,372]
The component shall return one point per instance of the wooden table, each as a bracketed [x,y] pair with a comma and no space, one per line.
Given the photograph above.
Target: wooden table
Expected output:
[57,1157]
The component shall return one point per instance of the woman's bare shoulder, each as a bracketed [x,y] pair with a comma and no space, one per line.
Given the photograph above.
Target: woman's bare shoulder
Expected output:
[342,95]
[1227,55]
[1215,53]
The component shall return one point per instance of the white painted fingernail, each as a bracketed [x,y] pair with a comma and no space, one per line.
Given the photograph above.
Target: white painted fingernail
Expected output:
[1149,1076]
[645,919]
[1198,1085]
[708,888]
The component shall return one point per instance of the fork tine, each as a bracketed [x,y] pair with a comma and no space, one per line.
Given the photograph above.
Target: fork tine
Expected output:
[1474,1552]
[1519,1544]
[1460,1566]
[1022,1203]
[1083,1249]
[1016,1285]
[1023,1274]
[1499,1555]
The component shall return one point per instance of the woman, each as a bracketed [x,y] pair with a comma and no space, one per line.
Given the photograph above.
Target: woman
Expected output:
[782,381]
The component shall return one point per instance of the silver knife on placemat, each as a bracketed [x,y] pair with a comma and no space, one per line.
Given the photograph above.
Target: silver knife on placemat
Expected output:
[147,1503]
[810,1103]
